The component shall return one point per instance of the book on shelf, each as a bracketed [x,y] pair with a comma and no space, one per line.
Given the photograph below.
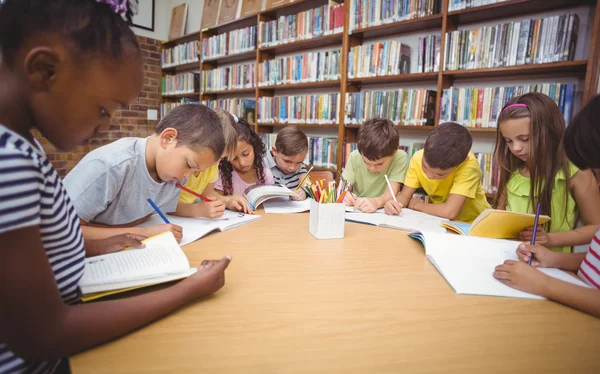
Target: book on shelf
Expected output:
[180,54]
[229,43]
[165,108]
[307,67]
[496,224]
[228,11]
[480,107]
[490,172]
[531,41]
[404,107]
[227,78]
[429,54]
[346,150]
[322,151]
[243,108]
[454,5]
[210,13]
[180,84]
[365,13]
[297,109]
[391,57]
[312,23]
[412,149]
[250,7]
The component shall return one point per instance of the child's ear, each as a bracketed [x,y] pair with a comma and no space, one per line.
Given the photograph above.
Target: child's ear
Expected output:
[168,136]
[40,66]
[274,151]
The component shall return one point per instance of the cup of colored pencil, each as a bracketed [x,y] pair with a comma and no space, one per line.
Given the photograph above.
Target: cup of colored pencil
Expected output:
[327,210]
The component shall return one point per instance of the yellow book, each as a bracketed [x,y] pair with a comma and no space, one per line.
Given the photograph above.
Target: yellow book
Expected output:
[496,224]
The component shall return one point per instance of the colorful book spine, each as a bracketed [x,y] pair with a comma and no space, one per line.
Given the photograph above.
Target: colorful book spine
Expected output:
[429,54]
[180,54]
[165,108]
[243,108]
[227,78]
[480,107]
[230,43]
[309,67]
[346,150]
[365,13]
[180,84]
[405,107]
[391,57]
[490,172]
[322,151]
[298,109]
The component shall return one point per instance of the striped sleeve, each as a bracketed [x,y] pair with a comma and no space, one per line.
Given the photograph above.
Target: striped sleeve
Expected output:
[20,181]
[589,271]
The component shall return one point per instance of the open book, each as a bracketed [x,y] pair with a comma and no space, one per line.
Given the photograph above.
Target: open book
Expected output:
[286,206]
[467,263]
[161,261]
[196,228]
[409,220]
[496,224]
[258,194]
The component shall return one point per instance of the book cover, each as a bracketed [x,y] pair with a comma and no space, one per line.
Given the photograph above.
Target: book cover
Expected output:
[210,14]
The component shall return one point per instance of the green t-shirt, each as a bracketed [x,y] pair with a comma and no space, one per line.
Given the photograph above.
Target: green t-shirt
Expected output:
[367,184]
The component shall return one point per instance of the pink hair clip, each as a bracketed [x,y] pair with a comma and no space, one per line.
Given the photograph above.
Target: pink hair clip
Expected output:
[118,6]
[517,105]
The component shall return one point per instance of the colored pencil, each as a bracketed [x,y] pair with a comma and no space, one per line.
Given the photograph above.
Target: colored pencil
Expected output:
[203,198]
[158,211]
[535,226]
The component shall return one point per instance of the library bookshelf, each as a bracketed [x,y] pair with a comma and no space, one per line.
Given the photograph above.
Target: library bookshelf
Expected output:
[587,70]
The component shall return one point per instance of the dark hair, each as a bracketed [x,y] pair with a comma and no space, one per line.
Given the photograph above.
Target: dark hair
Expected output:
[546,153]
[87,25]
[197,125]
[447,146]
[291,141]
[377,138]
[245,133]
[582,137]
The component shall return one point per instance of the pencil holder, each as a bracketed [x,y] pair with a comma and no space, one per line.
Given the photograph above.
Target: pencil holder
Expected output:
[327,220]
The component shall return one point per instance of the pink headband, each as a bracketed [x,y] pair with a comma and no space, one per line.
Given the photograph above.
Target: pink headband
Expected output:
[516,106]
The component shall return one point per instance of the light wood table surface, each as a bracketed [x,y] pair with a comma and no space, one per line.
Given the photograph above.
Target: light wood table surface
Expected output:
[368,303]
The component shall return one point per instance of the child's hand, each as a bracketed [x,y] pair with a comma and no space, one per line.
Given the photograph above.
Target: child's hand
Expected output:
[393,208]
[350,199]
[97,247]
[542,256]
[237,203]
[541,237]
[208,279]
[300,195]
[159,229]
[523,277]
[367,205]
[211,209]
[414,203]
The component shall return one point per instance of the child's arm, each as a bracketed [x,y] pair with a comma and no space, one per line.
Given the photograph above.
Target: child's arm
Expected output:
[370,205]
[234,202]
[545,258]
[37,325]
[526,278]
[449,210]
[93,231]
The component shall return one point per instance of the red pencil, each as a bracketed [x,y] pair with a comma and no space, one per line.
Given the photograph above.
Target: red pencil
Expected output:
[206,199]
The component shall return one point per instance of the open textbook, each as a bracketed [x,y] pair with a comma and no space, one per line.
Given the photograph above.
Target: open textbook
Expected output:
[161,261]
[497,224]
[286,206]
[196,228]
[467,263]
[409,220]
[258,194]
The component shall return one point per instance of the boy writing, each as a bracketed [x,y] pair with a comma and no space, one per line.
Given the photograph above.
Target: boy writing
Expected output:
[376,156]
[448,172]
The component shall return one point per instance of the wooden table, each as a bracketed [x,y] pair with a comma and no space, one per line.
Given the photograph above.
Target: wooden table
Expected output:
[370,303]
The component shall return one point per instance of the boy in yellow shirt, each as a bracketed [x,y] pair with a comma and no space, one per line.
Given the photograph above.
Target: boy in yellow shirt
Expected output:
[377,156]
[448,172]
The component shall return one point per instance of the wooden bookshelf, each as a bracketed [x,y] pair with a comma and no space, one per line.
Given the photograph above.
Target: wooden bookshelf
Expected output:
[553,68]
[402,27]
[318,42]
[402,78]
[316,125]
[233,91]
[302,85]
[183,39]
[191,95]
[182,67]
[229,59]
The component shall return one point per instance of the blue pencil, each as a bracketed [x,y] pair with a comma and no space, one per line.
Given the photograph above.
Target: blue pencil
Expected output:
[158,211]
[535,226]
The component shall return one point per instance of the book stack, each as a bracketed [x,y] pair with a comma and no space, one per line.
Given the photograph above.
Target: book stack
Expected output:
[364,13]
[322,151]
[231,43]
[324,20]
[480,107]
[429,54]
[180,83]
[464,4]
[405,107]
[308,67]
[298,109]
[227,78]
[391,57]
[165,108]
[180,54]
[532,41]
[490,172]
[243,108]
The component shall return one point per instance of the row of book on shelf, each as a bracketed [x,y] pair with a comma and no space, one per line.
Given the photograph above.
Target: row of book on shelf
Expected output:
[312,23]
[307,67]
[180,54]
[166,107]
[367,13]
[454,5]
[180,84]
[229,43]
[531,41]
[295,109]
[243,108]
[322,151]
[230,77]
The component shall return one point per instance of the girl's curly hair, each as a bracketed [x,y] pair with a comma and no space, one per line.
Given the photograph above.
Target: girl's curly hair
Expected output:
[245,133]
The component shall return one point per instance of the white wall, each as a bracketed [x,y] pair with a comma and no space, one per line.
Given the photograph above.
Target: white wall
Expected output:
[162,18]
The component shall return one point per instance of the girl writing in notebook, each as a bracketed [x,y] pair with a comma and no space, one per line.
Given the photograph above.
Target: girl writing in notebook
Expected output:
[534,169]
[581,142]
[247,167]
[67,66]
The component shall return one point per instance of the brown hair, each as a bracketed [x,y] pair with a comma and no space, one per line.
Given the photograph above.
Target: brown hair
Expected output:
[582,137]
[291,141]
[546,153]
[377,138]
[229,132]
[197,126]
[447,146]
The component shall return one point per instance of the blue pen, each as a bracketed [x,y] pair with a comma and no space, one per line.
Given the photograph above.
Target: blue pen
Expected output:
[158,211]
[535,226]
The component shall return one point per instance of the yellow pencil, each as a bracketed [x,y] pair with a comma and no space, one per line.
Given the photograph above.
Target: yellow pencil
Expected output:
[304,179]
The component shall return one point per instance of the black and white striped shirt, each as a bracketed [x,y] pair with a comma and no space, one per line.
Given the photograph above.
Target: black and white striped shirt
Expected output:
[32,194]
[291,180]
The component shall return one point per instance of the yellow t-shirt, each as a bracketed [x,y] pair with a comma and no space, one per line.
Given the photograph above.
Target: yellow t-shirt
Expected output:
[465,180]
[198,184]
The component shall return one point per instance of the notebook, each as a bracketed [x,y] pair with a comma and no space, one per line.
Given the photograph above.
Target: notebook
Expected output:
[161,261]
[286,206]
[409,220]
[467,263]
[496,224]
[258,194]
[196,228]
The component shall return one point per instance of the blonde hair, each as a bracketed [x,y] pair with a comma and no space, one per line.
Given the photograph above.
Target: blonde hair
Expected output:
[229,132]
